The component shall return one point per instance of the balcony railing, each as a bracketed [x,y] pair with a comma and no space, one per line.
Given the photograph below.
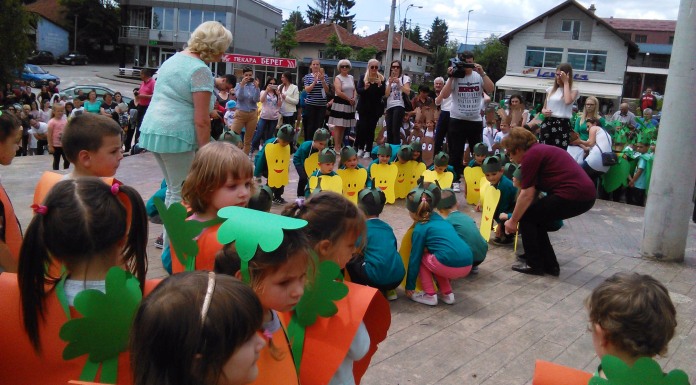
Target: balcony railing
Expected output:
[135,32]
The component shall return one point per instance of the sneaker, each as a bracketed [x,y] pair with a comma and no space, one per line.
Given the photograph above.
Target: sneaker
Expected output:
[425,299]
[391,295]
[159,242]
[360,153]
[447,298]
[366,155]
[505,240]
[474,270]
[279,201]
[456,188]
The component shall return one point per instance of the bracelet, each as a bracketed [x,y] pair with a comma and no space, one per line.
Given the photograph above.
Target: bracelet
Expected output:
[484,75]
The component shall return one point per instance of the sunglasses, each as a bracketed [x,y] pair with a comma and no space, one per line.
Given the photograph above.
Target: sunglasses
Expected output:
[395,66]
[345,66]
[588,104]
[373,67]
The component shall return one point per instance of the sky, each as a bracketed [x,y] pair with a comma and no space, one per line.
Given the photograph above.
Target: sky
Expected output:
[488,16]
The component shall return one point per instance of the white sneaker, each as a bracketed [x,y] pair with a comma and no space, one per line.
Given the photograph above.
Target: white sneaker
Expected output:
[366,155]
[456,187]
[360,153]
[425,299]
[448,299]
[391,295]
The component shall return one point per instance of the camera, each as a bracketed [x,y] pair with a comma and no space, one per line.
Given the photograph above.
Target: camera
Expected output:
[459,67]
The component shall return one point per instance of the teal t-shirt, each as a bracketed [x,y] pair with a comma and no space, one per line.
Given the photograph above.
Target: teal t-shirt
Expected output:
[383,264]
[466,228]
[168,126]
[508,195]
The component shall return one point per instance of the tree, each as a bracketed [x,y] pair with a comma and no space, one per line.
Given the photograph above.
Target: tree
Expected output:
[285,41]
[331,11]
[415,35]
[98,23]
[15,21]
[492,55]
[440,58]
[337,50]
[366,53]
[297,20]
[437,36]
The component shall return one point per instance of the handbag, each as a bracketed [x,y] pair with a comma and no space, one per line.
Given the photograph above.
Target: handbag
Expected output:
[608,158]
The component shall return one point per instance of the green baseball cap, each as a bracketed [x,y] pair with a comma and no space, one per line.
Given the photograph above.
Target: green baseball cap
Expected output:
[384,149]
[286,133]
[416,146]
[480,149]
[405,152]
[321,135]
[491,164]
[441,159]
[347,152]
[327,155]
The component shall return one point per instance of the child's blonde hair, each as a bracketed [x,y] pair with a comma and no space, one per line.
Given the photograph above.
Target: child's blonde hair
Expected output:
[635,312]
[212,166]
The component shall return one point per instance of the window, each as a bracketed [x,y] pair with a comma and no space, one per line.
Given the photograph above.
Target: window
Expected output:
[420,60]
[409,58]
[671,40]
[641,39]
[587,60]
[321,54]
[543,57]
[573,27]
[196,17]
[184,19]
[163,18]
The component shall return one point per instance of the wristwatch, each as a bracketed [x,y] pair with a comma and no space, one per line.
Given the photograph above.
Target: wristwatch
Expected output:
[484,75]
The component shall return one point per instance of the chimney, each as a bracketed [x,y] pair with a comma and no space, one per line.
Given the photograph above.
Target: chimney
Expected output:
[386,27]
[349,26]
[592,8]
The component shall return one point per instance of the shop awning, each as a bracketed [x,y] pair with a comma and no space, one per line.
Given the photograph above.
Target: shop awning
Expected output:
[585,88]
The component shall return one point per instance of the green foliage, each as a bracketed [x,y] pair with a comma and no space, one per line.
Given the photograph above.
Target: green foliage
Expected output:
[492,55]
[331,11]
[440,59]
[366,53]
[438,35]
[98,23]
[285,41]
[337,50]
[415,35]
[16,45]
[644,371]
[297,20]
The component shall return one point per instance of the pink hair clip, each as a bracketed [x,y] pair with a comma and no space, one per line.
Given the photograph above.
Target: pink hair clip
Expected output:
[115,188]
[423,198]
[39,209]
[300,202]
[267,333]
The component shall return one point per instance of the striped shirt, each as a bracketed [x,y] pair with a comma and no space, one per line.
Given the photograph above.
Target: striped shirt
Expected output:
[317,97]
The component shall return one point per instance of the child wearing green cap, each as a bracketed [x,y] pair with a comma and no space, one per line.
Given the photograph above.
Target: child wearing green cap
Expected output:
[465,226]
[480,154]
[307,148]
[392,157]
[327,161]
[493,170]
[349,159]
[638,182]
[416,150]
[378,264]
[436,249]
[283,137]
[385,155]
[441,163]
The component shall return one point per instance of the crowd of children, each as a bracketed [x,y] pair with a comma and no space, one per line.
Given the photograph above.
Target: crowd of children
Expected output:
[314,280]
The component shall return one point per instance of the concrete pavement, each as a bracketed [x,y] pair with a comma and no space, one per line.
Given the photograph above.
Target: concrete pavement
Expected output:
[502,321]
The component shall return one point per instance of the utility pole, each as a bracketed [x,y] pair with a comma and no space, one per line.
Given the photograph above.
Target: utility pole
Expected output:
[401,45]
[666,223]
[75,37]
[390,37]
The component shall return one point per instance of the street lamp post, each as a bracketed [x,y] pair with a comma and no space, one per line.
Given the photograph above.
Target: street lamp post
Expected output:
[466,39]
[401,45]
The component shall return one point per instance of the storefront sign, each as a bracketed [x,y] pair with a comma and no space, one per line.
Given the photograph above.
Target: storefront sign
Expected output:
[260,60]
[538,72]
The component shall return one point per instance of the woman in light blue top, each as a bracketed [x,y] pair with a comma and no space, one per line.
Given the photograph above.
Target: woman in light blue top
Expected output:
[178,118]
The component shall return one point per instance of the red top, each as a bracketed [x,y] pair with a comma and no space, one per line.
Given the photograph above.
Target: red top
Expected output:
[147,87]
[648,101]
[552,170]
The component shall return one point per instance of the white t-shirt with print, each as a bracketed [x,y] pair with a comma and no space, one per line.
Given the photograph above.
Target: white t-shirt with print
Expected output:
[467,95]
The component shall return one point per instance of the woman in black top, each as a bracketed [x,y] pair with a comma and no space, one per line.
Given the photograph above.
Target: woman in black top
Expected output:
[370,107]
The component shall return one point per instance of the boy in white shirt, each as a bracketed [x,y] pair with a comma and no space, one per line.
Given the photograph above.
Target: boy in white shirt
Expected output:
[37,131]
[229,114]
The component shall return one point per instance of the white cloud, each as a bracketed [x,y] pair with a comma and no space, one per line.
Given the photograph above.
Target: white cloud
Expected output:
[363,30]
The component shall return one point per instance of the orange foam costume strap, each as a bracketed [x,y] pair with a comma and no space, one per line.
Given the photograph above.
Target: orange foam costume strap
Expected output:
[548,373]
[277,372]
[13,232]
[20,364]
[328,340]
[208,246]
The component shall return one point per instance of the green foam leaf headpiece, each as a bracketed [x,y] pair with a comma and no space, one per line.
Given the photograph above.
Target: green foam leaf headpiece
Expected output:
[441,159]
[286,133]
[416,146]
[645,371]
[405,153]
[327,155]
[251,229]
[448,199]
[384,149]
[491,164]
[262,200]
[321,135]
[480,149]
[429,189]
[347,152]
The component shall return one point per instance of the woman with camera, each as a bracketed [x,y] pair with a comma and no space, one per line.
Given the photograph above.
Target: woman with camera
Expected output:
[558,109]
[397,85]
[371,88]
[270,112]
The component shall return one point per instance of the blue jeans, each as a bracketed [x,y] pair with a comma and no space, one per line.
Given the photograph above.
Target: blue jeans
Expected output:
[265,129]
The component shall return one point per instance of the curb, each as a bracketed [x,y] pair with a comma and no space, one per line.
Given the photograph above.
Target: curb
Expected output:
[118,78]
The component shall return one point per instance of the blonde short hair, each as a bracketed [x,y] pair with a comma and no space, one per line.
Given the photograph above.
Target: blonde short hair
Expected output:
[344,62]
[210,40]
[367,73]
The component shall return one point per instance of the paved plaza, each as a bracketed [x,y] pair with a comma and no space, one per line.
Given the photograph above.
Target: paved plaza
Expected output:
[502,321]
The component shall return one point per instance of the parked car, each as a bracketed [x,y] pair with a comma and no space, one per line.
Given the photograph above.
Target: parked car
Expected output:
[71,92]
[73,58]
[41,57]
[37,76]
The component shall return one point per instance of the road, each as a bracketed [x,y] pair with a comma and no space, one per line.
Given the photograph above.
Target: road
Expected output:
[87,75]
